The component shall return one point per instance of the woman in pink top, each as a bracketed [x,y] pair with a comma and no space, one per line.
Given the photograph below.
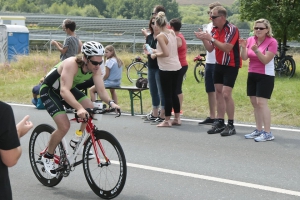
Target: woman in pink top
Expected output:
[175,25]
[260,49]
[169,66]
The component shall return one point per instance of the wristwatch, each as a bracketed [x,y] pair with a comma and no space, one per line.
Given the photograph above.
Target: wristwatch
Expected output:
[111,101]
[212,40]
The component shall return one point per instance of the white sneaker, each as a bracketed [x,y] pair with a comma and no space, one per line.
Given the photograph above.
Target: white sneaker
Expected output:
[49,165]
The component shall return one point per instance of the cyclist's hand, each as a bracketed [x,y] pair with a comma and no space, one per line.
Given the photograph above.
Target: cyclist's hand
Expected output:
[113,105]
[82,113]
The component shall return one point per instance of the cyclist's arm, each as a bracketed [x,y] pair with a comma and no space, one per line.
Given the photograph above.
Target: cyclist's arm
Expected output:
[69,70]
[99,84]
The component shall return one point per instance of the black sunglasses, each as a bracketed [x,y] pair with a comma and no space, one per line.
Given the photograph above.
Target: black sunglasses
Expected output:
[214,17]
[259,28]
[153,13]
[95,62]
[153,23]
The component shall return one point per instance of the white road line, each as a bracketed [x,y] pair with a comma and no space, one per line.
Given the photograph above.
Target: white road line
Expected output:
[220,180]
[194,120]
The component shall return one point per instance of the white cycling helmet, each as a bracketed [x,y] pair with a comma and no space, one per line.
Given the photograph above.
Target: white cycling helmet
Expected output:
[92,49]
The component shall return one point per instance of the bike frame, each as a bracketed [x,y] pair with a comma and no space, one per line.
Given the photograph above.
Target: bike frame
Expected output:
[89,132]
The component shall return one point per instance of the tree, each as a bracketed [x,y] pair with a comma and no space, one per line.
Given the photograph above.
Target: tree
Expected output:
[283,15]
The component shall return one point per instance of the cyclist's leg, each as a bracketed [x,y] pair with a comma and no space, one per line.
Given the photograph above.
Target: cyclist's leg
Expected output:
[54,106]
[83,100]
[92,92]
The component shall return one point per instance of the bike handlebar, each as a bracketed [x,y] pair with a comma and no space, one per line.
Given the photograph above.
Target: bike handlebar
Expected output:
[96,110]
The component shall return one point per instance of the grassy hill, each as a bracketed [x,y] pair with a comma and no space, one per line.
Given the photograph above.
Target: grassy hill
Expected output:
[203,2]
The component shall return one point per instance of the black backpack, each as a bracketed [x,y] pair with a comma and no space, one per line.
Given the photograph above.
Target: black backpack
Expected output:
[141,82]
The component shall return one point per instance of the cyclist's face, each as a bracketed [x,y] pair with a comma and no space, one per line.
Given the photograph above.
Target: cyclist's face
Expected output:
[94,63]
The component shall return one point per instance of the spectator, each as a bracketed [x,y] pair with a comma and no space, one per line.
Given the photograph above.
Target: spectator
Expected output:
[154,79]
[175,25]
[169,66]
[72,45]
[209,74]
[113,73]
[260,49]
[156,9]
[36,100]
[224,38]
[10,149]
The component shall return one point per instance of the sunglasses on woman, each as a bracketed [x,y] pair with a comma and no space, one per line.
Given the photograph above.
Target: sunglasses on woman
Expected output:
[259,28]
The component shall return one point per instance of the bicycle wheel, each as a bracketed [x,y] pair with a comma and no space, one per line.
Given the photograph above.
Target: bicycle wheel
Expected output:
[136,70]
[108,179]
[37,144]
[288,67]
[199,71]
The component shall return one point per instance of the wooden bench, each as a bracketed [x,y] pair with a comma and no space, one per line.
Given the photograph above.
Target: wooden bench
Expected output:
[134,94]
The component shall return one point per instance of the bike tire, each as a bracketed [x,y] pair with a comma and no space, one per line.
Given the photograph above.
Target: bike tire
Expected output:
[136,70]
[288,67]
[106,181]
[38,142]
[199,71]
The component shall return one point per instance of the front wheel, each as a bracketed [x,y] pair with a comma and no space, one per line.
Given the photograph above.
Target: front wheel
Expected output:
[37,147]
[136,70]
[107,178]
[199,72]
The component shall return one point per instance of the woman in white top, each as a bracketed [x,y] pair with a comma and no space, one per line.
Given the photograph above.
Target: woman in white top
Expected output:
[169,66]
[113,72]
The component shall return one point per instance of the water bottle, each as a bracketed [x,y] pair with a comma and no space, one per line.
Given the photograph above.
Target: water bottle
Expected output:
[76,138]
[148,48]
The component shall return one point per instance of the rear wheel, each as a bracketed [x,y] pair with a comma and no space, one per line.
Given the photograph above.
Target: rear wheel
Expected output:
[287,67]
[106,179]
[37,144]
[199,72]
[136,70]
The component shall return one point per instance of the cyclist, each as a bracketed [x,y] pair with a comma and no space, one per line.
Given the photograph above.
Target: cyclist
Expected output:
[59,84]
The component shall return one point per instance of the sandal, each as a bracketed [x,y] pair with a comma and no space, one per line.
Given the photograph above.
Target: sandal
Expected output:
[176,122]
[164,124]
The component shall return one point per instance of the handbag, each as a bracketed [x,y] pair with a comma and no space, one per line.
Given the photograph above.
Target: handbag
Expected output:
[141,82]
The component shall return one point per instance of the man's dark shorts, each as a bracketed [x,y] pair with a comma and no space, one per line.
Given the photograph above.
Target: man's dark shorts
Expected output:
[225,75]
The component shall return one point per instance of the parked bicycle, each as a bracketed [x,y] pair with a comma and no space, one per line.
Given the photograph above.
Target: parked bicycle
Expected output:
[285,65]
[199,69]
[136,69]
[103,159]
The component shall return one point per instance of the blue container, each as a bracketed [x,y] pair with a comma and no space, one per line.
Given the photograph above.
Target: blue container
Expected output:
[14,40]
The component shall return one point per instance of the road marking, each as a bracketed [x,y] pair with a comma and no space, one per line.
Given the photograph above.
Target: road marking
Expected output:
[191,120]
[215,179]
